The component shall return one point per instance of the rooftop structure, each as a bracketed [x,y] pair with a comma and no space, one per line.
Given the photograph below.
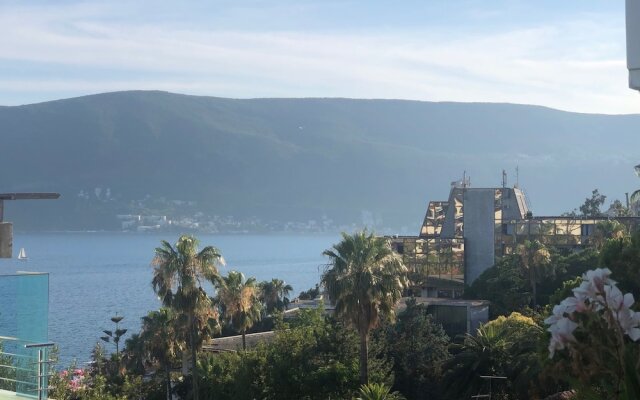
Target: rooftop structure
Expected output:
[468,233]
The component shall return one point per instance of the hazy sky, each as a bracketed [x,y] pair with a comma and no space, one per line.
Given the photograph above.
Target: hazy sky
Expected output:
[566,54]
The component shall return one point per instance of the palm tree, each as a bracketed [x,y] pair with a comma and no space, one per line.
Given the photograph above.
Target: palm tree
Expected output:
[377,391]
[177,277]
[274,295]
[238,299]
[364,279]
[134,354]
[534,257]
[160,341]
[605,230]
[506,346]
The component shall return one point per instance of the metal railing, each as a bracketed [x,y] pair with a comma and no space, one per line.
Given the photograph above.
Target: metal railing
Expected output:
[24,367]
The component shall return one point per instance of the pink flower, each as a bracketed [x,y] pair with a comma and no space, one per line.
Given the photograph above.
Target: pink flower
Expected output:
[64,374]
[78,372]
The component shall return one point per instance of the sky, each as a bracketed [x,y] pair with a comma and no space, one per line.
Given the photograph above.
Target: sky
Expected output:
[567,54]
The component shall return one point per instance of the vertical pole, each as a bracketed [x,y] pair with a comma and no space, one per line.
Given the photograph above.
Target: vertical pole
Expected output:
[490,389]
[1,210]
[40,375]
[626,195]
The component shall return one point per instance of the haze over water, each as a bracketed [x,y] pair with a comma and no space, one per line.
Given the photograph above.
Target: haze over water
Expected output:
[95,275]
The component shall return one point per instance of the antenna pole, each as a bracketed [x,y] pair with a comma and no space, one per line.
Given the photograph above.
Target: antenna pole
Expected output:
[626,195]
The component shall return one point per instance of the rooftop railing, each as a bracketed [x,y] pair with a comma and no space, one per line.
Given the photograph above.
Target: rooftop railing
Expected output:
[25,367]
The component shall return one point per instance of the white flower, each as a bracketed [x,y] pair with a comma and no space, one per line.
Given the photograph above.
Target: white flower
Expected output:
[615,299]
[573,304]
[599,277]
[585,291]
[561,333]
[558,314]
[553,346]
[596,293]
[629,322]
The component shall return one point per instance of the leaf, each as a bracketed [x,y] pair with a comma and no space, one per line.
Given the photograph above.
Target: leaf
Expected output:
[631,382]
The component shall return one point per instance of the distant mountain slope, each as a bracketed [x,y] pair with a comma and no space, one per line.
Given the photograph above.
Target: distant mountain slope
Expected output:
[303,158]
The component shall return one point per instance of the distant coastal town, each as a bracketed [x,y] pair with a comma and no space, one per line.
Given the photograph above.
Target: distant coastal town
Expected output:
[159,214]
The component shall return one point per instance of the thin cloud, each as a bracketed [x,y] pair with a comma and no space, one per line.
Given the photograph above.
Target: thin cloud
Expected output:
[577,65]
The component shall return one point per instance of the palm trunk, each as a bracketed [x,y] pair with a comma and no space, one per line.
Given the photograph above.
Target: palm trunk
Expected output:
[364,360]
[194,370]
[534,291]
[167,376]
[244,341]
[185,362]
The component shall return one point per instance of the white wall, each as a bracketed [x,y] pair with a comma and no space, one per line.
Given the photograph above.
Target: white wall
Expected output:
[633,43]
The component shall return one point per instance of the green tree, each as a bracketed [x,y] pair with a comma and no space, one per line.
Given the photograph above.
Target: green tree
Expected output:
[310,357]
[418,346]
[134,355]
[274,295]
[364,280]
[7,375]
[605,230]
[161,343]
[239,302]
[508,288]
[377,391]
[310,294]
[503,285]
[535,259]
[506,346]
[115,335]
[622,257]
[177,279]
[222,376]
[619,210]
[316,357]
[591,206]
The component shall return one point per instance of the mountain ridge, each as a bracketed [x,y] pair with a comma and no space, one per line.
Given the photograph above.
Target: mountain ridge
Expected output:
[300,159]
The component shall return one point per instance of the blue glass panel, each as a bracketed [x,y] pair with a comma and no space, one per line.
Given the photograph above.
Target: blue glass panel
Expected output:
[24,320]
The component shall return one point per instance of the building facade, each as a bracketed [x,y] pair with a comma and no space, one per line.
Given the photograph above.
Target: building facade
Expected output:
[462,237]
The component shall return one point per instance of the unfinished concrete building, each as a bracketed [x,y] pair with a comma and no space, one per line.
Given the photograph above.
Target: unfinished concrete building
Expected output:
[462,237]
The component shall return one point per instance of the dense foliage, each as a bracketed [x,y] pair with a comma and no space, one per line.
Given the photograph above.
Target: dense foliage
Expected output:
[508,287]
[505,347]
[312,355]
[365,280]
[417,346]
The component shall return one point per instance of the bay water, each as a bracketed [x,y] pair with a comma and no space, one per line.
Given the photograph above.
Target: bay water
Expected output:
[94,275]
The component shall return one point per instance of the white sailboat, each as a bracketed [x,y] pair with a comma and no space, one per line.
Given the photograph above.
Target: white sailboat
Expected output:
[22,255]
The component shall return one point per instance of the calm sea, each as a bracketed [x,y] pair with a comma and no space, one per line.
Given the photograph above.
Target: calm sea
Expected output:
[93,276]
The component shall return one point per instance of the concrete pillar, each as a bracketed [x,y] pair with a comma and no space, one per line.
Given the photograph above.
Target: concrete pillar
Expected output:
[6,239]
